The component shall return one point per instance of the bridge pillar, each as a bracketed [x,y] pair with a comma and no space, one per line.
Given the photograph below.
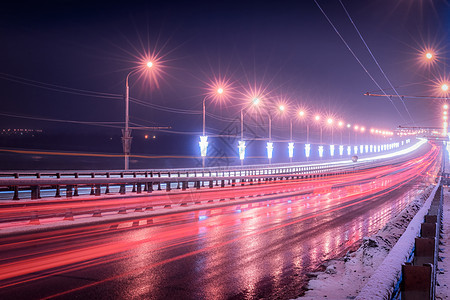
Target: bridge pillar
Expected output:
[16,188]
[69,191]
[168,186]
[184,185]
[98,190]
[107,185]
[16,193]
[222,183]
[149,187]
[145,184]
[139,188]
[35,192]
[92,186]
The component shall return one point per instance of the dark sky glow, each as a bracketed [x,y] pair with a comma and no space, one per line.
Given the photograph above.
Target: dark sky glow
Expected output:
[286,51]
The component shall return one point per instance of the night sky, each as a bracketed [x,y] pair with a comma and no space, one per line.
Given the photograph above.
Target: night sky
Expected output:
[54,54]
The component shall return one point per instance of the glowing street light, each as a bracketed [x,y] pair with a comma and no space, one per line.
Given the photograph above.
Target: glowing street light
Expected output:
[444,87]
[429,55]
[126,134]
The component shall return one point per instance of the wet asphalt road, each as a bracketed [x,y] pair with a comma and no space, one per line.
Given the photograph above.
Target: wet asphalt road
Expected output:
[259,250]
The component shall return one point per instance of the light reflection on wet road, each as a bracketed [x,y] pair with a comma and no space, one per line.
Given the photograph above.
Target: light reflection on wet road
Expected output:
[263,249]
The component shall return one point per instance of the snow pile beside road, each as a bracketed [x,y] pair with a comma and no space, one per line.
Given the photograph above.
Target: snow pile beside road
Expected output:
[344,278]
[443,274]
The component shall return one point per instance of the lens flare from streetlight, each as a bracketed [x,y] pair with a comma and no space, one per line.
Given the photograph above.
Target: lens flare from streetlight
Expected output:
[340,124]
[349,125]
[445,106]
[330,121]
[301,113]
[317,118]
[281,107]
[149,64]
[219,89]
[429,55]
[444,87]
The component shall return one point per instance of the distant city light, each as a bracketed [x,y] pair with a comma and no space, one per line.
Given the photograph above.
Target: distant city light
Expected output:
[349,125]
[445,106]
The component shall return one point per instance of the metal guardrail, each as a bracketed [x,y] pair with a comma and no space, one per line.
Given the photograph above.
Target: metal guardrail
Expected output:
[34,181]
[146,180]
[418,276]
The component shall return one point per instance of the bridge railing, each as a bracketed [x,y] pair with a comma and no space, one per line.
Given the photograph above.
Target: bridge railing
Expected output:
[144,180]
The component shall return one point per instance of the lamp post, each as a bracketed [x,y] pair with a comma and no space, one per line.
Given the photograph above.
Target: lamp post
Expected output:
[126,133]
[330,122]
[241,143]
[341,124]
[204,138]
[349,132]
[317,119]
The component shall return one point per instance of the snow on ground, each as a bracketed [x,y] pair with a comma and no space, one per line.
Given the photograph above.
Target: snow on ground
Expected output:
[345,277]
[443,275]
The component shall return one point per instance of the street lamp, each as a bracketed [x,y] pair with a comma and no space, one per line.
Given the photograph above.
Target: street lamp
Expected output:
[126,133]
[204,138]
[317,119]
[241,143]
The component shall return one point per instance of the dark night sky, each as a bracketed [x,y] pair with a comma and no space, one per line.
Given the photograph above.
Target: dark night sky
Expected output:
[288,48]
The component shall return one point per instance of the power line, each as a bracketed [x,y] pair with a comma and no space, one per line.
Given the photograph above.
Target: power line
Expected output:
[357,59]
[371,54]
